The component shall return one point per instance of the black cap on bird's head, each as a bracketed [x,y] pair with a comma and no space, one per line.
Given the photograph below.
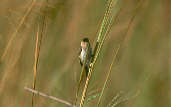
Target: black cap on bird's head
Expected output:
[85,40]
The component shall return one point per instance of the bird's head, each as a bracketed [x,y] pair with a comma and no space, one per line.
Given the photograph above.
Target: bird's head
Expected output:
[84,43]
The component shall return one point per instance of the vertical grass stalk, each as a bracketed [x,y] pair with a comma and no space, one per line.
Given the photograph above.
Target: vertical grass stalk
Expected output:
[128,28]
[104,30]
[81,75]
[108,74]
[36,56]
[37,52]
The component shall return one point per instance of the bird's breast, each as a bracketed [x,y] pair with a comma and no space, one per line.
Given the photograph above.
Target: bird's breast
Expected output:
[83,55]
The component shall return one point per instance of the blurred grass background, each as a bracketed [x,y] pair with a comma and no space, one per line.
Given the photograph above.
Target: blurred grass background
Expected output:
[143,62]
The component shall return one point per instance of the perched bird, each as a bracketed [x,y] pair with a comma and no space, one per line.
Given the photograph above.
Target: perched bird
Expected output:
[85,54]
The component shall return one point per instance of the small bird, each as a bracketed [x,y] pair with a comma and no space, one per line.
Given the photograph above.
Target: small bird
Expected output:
[85,51]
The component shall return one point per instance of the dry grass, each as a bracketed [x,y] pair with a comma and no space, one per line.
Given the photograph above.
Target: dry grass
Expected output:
[37,50]
[140,26]
[36,58]
[108,74]
[17,29]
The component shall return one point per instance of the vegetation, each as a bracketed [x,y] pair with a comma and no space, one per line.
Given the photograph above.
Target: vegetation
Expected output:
[40,40]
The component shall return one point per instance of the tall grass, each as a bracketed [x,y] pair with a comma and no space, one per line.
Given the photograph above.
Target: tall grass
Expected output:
[17,29]
[125,36]
[108,74]
[81,75]
[37,51]
[12,38]
[104,29]
[36,58]
[146,52]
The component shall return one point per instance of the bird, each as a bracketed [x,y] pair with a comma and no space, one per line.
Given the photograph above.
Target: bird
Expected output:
[85,54]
